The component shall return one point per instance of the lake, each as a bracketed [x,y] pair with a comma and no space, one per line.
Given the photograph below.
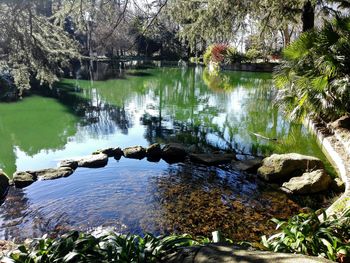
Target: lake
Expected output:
[143,106]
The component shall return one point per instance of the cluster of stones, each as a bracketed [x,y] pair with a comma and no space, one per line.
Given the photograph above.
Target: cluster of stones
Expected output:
[298,174]
[171,153]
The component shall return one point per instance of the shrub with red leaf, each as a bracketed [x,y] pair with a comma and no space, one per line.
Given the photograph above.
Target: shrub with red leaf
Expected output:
[218,52]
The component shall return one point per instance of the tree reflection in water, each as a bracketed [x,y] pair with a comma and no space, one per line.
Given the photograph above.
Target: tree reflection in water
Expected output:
[142,107]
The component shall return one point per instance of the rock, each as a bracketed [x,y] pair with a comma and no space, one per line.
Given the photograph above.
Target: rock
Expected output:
[4,183]
[337,185]
[23,179]
[212,159]
[5,247]
[135,152]
[73,164]
[174,152]
[52,173]
[343,122]
[154,152]
[249,166]
[111,152]
[309,183]
[282,167]
[194,149]
[220,253]
[94,161]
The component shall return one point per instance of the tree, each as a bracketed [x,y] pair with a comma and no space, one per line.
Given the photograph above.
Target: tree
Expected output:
[221,20]
[314,78]
[32,47]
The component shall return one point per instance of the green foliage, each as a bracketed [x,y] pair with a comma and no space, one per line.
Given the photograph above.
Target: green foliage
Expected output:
[233,56]
[252,55]
[221,53]
[307,234]
[314,78]
[207,55]
[32,46]
[195,60]
[110,247]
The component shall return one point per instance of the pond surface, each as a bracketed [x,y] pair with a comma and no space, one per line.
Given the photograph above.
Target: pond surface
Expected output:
[141,107]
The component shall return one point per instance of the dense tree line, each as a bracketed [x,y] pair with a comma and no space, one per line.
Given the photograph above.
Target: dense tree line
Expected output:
[41,38]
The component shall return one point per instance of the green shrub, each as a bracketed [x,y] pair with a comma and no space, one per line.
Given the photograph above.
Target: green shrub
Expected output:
[233,56]
[207,55]
[252,55]
[111,247]
[195,60]
[222,54]
[307,234]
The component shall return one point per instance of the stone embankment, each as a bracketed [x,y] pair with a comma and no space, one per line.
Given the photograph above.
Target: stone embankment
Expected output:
[334,140]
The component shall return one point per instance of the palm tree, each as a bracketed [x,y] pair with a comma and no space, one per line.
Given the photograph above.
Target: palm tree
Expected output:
[315,76]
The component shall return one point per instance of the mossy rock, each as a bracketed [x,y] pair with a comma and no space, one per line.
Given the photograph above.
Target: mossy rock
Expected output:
[4,184]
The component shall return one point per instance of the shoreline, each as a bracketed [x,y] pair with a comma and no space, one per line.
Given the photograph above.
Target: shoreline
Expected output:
[335,151]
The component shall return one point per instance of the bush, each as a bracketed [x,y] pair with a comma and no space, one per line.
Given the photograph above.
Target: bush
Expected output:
[79,247]
[252,55]
[207,55]
[222,54]
[307,234]
[233,56]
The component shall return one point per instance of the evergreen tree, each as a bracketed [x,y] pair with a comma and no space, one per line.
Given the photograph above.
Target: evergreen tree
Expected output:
[32,46]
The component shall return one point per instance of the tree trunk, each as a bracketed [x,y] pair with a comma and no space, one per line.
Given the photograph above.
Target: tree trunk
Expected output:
[286,36]
[308,16]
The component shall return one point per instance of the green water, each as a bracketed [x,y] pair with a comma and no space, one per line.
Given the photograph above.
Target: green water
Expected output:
[141,107]
[150,105]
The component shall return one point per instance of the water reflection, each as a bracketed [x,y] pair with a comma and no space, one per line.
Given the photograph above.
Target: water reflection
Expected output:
[156,198]
[140,107]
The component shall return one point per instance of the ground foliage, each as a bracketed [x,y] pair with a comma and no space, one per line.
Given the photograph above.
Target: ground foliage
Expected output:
[311,235]
[109,247]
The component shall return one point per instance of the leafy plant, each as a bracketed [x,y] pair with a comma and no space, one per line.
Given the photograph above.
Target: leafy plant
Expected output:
[308,234]
[252,55]
[207,55]
[221,53]
[233,56]
[110,247]
[314,78]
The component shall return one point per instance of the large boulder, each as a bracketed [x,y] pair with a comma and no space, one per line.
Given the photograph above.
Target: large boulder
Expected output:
[309,183]
[94,161]
[212,159]
[135,152]
[52,173]
[23,179]
[4,183]
[154,152]
[282,167]
[111,152]
[174,152]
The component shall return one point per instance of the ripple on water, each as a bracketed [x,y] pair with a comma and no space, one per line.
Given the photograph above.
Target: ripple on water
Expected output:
[157,198]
